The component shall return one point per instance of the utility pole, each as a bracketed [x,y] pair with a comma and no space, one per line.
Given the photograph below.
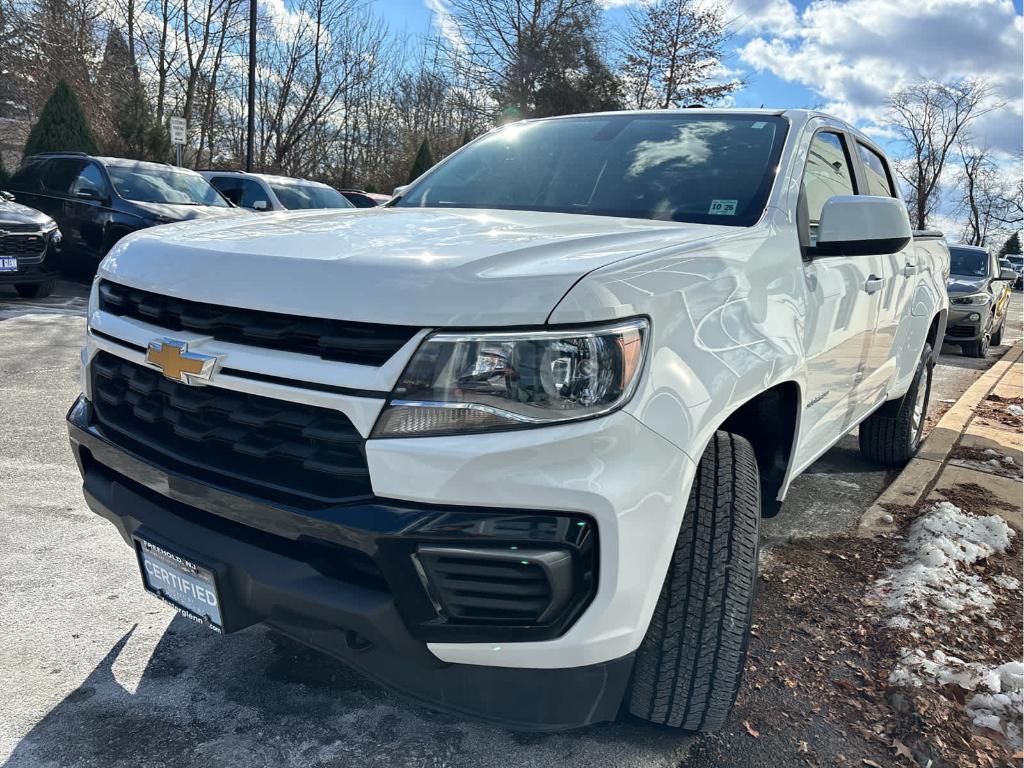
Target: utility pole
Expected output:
[250,136]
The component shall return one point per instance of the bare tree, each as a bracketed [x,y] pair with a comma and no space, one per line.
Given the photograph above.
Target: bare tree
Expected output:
[989,204]
[671,54]
[930,117]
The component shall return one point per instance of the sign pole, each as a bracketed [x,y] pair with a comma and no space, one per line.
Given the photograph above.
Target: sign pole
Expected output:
[250,133]
[179,136]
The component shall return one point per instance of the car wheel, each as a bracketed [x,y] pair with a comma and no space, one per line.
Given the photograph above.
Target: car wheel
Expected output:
[977,348]
[35,290]
[892,434]
[997,336]
[689,666]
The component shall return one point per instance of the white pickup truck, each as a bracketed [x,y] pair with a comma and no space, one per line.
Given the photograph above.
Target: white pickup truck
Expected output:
[504,444]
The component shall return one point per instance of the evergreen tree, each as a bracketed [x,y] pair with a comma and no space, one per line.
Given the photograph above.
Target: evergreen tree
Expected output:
[158,144]
[424,160]
[62,126]
[1012,245]
[136,133]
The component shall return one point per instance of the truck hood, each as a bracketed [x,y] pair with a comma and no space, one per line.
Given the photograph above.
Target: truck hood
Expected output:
[961,284]
[407,266]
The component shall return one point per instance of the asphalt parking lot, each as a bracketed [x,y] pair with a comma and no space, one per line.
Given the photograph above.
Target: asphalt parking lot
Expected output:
[97,673]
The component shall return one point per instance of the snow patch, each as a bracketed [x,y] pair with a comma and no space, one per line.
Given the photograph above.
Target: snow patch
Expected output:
[998,700]
[941,544]
[937,585]
[1006,582]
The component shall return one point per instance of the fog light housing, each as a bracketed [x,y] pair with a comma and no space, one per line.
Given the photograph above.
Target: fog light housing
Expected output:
[974,317]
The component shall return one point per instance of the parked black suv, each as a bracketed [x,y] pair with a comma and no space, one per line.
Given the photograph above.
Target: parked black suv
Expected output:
[98,200]
[29,249]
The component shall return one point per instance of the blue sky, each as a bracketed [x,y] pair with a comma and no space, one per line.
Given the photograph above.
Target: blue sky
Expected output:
[417,17]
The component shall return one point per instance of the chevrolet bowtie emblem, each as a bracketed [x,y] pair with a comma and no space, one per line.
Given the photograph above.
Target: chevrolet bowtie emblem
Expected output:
[177,363]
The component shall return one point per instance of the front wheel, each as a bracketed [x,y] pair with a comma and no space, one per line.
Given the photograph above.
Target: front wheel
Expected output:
[997,336]
[892,434]
[978,348]
[689,666]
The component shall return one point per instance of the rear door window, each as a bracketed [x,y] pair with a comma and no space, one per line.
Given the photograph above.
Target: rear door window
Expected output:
[60,174]
[27,178]
[877,172]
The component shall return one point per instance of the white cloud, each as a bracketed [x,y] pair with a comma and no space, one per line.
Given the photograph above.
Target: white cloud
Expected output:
[445,24]
[750,17]
[853,53]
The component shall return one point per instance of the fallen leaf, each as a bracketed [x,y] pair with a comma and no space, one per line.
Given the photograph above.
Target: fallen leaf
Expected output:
[751,730]
[871,763]
[803,747]
[902,750]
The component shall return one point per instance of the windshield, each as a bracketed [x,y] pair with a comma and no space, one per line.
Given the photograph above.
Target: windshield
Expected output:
[1015,260]
[309,196]
[688,167]
[149,184]
[968,262]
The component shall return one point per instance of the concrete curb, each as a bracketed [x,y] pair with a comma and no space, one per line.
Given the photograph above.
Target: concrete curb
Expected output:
[919,476]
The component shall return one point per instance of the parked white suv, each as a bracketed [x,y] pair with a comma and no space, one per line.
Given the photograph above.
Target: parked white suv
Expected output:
[504,444]
[264,192]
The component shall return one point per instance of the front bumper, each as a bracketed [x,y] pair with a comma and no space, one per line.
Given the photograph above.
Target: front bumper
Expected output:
[961,328]
[325,580]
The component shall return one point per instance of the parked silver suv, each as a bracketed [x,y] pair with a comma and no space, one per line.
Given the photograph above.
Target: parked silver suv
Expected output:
[263,192]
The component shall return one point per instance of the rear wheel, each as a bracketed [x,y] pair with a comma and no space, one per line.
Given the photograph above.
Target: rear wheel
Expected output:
[892,434]
[689,666]
[35,290]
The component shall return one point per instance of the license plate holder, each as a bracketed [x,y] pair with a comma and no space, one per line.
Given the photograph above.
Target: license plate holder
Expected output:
[8,264]
[187,586]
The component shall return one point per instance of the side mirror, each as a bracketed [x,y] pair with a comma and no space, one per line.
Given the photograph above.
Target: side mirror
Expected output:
[1007,274]
[862,225]
[399,190]
[5,195]
[260,205]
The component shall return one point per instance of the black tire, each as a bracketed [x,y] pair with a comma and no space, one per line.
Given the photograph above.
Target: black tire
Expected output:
[689,666]
[35,290]
[997,336]
[892,434]
[977,348]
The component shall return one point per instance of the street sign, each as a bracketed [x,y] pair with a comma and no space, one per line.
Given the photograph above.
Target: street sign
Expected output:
[179,129]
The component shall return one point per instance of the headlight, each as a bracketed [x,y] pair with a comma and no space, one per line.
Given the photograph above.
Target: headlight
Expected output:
[50,230]
[974,300]
[483,382]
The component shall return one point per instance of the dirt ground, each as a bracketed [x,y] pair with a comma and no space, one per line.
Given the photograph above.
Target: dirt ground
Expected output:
[820,643]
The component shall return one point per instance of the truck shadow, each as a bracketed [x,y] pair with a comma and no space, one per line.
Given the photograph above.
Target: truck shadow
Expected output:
[258,699]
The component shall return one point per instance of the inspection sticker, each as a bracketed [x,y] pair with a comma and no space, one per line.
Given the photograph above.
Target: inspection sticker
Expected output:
[723,207]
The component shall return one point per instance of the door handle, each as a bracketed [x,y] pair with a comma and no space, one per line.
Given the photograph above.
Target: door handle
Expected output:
[910,270]
[873,284]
